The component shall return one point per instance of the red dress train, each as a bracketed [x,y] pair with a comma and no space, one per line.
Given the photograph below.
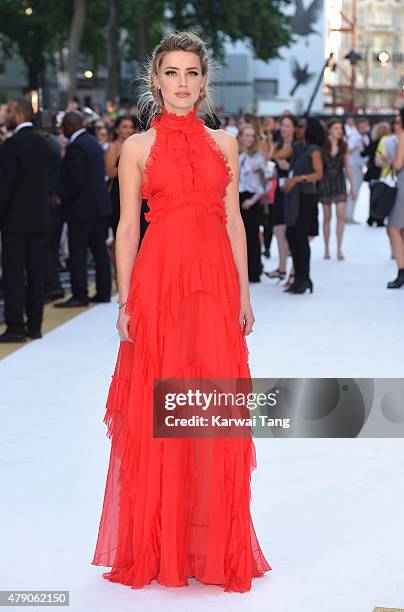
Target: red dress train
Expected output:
[179,507]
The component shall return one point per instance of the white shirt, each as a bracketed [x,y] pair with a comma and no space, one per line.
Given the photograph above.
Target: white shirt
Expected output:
[23,125]
[252,168]
[390,146]
[232,129]
[357,142]
[76,134]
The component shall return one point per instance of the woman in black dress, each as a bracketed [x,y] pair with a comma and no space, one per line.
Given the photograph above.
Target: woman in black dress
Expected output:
[301,201]
[124,127]
[332,187]
[288,125]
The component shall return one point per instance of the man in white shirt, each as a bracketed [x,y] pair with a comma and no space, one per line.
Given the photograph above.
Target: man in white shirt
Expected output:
[358,140]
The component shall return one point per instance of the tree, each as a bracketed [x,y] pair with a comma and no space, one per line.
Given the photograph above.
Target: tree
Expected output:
[262,23]
[76,33]
[113,63]
[37,29]
[32,31]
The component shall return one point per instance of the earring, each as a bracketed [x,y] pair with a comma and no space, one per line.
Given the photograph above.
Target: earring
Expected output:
[202,94]
[156,92]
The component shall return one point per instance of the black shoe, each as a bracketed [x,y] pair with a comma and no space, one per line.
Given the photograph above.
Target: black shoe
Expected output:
[71,303]
[293,285]
[51,296]
[397,282]
[267,254]
[34,334]
[99,300]
[302,286]
[11,337]
[279,274]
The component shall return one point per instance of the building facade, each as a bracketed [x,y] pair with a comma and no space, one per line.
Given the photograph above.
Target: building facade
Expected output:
[375,30]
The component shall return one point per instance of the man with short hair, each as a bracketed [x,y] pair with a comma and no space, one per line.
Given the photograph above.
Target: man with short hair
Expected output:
[25,177]
[86,206]
[358,140]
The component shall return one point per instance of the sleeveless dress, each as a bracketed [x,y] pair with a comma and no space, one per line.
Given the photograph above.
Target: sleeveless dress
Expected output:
[179,507]
[332,187]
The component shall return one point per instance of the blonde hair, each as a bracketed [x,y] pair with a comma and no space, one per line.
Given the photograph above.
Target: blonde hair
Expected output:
[380,129]
[248,126]
[151,100]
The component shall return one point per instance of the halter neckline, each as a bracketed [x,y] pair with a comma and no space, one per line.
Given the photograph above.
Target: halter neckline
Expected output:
[172,121]
[179,118]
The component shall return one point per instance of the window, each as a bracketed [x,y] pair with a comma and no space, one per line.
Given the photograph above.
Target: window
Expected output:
[266,88]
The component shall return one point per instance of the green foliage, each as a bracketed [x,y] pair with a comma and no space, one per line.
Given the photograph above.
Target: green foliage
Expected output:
[38,35]
[33,29]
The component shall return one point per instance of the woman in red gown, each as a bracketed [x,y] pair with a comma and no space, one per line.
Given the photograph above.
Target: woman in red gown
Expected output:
[176,508]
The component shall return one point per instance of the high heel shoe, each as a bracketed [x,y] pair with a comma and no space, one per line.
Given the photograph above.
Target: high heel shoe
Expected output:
[290,287]
[302,286]
[397,282]
[280,274]
[289,282]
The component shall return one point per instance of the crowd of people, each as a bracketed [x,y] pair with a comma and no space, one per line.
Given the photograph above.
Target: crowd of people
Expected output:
[67,176]
[290,165]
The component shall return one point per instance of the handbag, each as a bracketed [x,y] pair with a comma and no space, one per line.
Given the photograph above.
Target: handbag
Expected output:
[383,193]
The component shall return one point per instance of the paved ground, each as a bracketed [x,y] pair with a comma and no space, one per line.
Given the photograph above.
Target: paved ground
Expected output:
[328,513]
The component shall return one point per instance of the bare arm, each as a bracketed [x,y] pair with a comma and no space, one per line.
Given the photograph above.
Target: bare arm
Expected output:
[315,176]
[128,231]
[110,158]
[236,232]
[398,163]
[348,170]
[284,153]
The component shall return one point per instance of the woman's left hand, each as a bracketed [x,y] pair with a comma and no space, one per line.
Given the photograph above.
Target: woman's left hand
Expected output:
[246,204]
[246,318]
[289,184]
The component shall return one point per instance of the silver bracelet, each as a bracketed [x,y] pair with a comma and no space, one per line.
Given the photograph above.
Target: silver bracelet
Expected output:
[121,305]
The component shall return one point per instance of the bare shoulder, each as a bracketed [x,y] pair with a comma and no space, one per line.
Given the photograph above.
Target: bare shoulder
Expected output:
[226,141]
[137,146]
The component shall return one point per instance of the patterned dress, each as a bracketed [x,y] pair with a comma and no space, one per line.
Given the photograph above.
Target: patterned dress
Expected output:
[332,187]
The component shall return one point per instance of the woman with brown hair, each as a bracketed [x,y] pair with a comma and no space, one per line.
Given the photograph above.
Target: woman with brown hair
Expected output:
[332,187]
[177,501]
[288,125]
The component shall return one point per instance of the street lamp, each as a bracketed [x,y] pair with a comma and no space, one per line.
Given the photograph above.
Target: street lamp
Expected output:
[354,57]
[88,74]
[383,57]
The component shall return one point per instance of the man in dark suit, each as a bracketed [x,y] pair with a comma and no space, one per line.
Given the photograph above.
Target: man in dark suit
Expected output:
[25,176]
[86,206]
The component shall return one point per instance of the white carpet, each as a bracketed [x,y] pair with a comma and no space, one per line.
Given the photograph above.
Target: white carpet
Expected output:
[328,513]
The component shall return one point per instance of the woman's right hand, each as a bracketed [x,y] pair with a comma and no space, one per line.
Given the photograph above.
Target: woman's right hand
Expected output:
[283,164]
[122,326]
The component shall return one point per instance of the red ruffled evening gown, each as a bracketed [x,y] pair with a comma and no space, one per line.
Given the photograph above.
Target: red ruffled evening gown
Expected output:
[180,507]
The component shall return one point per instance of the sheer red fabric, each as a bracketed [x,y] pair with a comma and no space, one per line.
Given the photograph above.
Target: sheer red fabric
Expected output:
[180,507]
